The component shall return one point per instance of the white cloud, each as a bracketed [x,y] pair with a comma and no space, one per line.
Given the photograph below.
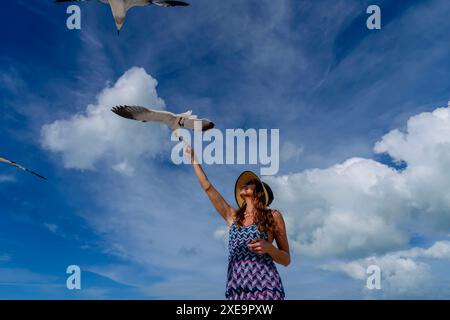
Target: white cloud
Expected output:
[124,168]
[425,147]
[362,207]
[402,272]
[97,133]
[400,276]
[439,250]
[342,210]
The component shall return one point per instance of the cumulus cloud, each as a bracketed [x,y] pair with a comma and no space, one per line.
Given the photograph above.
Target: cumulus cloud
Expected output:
[439,250]
[400,276]
[97,134]
[361,206]
[403,273]
[342,210]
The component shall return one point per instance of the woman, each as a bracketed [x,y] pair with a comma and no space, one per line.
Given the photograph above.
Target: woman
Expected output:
[252,274]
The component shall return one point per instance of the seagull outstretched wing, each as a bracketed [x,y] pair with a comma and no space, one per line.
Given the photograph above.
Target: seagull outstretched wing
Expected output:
[146,115]
[15,164]
[173,121]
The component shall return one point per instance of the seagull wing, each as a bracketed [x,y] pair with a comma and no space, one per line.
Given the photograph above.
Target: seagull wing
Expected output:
[146,115]
[169,3]
[15,164]
[173,121]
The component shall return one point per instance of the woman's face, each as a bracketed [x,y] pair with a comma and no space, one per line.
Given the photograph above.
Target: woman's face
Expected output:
[247,190]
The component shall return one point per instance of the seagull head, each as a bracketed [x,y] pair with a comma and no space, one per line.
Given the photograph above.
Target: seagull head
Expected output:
[207,125]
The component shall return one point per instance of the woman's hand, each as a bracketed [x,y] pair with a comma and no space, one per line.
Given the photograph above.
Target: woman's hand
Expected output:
[190,152]
[260,246]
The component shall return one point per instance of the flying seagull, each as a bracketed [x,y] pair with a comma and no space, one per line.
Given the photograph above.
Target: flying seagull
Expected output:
[120,7]
[15,164]
[173,121]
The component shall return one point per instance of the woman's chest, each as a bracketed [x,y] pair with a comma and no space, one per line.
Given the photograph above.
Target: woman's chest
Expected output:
[243,235]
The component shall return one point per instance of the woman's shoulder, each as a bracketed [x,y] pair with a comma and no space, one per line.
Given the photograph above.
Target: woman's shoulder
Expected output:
[276,213]
[277,216]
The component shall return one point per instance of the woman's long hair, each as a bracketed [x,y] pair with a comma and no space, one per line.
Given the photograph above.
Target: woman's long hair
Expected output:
[263,216]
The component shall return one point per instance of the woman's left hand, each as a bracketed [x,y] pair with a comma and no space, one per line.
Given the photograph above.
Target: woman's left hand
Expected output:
[260,246]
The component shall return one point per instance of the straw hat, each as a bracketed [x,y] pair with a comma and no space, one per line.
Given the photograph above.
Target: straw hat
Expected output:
[243,178]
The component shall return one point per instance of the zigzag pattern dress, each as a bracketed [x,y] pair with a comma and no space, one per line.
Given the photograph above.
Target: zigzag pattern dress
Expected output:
[250,276]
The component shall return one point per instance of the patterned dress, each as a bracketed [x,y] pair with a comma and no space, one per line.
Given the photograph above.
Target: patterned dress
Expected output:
[250,276]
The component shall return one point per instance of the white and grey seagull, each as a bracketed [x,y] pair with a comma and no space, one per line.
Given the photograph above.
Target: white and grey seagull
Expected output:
[15,164]
[119,8]
[173,121]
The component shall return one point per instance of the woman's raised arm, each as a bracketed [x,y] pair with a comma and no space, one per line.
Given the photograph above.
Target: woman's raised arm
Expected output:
[221,205]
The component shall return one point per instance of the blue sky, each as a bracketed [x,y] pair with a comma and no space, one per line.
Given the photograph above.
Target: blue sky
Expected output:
[310,68]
